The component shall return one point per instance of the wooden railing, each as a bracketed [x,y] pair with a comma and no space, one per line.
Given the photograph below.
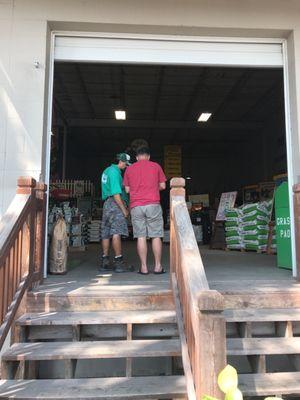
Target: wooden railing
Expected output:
[203,335]
[22,240]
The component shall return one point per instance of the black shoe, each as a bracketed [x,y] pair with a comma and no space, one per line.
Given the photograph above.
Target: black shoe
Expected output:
[119,265]
[105,264]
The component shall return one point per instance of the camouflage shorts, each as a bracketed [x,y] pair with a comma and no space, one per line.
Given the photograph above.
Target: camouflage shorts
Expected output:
[113,220]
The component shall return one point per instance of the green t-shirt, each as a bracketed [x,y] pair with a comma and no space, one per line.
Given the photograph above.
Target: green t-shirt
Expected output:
[112,183]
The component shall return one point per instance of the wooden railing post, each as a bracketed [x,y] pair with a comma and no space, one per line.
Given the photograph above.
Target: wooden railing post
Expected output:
[296,190]
[201,309]
[211,346]
[21,254]
[40,219]
[177,186]
[26,185]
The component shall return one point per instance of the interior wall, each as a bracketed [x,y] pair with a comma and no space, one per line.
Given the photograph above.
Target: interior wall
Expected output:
[213,170]
[22,86]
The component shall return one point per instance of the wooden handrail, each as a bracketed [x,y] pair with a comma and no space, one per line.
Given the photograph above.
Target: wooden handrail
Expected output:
[21,248]
[201,308]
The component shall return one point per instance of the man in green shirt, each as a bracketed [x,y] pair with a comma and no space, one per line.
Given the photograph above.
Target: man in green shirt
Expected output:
[115,212]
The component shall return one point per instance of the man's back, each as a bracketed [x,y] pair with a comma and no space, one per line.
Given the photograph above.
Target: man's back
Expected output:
[143,178]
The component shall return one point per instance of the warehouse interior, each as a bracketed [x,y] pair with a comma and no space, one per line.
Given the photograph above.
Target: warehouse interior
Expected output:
[241,145]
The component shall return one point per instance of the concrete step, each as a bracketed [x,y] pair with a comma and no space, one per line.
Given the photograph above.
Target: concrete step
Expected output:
[269,384]
[162,387]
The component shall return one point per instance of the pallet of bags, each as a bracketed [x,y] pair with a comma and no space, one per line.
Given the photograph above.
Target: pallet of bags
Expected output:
[233,237]
[255,225]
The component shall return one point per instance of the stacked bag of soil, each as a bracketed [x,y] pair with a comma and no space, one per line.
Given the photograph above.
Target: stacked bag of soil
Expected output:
[233,228]
[274,242]
[255,225]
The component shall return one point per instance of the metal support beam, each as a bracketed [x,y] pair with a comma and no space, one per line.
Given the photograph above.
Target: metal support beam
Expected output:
[64,160]
[58,80]
[195,94]
[85,90]
[263,99]
[60,111]
[233,93]
[212,125]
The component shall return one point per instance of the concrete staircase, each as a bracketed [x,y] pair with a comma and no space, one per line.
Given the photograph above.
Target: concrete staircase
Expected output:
[120,347]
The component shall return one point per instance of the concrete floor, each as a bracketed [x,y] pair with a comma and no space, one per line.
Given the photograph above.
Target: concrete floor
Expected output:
[224,270]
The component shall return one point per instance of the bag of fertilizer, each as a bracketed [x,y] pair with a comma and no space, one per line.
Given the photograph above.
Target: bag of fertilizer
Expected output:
[59,248]
[255,247]
[248,208]
[233,240]
[232,233]
[238,246]
[232,228]
[229,224]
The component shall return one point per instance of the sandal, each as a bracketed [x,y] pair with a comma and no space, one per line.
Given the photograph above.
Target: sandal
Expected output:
[162,271]
[143,273]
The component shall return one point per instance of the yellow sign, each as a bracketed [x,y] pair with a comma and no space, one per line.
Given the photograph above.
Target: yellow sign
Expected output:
[172,161]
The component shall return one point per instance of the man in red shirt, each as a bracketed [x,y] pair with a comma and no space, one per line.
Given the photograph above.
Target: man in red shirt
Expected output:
[143,181]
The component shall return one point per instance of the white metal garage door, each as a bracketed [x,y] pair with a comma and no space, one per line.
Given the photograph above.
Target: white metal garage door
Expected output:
[169,51]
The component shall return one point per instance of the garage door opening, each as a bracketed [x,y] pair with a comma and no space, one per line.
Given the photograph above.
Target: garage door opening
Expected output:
[240,148]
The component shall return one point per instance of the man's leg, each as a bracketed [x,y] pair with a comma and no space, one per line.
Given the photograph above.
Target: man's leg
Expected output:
[119,265]
[155,227]
[105,247]
[157,251]
[138,220]
[105,262]
[142,252]
[117,245]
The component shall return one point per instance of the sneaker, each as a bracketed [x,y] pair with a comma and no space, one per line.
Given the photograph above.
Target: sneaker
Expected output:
[105,264]
[119,265]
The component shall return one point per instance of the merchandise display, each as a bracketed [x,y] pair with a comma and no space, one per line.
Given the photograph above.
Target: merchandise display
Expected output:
[255,225]
[75,223]
[247,227]
[233,228]
[198,230]
[94,231]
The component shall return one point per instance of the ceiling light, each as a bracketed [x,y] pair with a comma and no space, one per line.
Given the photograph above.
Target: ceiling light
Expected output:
[188,178]
[120,114]
[204,117]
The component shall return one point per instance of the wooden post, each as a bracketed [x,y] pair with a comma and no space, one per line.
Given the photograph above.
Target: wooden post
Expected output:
[296,190]
[177,186]
[26,185]
[40,219]
[210,343]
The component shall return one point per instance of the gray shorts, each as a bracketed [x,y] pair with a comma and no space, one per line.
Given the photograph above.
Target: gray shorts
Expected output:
[147,221]
[113,220]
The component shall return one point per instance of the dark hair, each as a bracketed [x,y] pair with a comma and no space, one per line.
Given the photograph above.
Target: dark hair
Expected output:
[143,150]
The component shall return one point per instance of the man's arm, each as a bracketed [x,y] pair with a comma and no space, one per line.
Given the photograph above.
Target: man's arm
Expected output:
[119,201]
[127,189]
[162,185]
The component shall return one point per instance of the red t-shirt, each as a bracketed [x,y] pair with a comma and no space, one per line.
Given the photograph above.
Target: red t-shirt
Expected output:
[143,179]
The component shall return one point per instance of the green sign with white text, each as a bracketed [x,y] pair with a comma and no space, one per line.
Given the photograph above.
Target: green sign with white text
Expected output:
[283,227]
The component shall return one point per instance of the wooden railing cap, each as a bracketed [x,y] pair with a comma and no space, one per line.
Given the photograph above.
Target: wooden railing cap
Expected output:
[25,185]
[296,188]
[210,300]
[41,186]
[177,182]
[26,181]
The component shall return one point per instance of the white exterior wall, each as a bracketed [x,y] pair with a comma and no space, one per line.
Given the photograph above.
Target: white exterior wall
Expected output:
[25,27]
